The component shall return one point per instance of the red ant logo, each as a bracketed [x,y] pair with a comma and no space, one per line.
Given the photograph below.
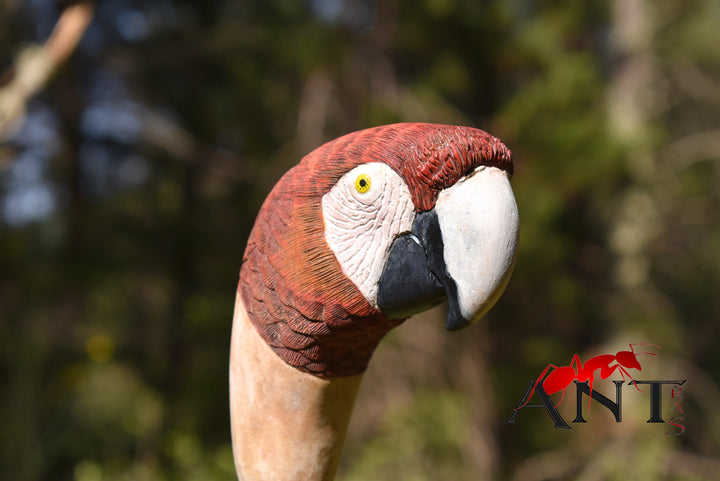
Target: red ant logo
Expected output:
[562,376]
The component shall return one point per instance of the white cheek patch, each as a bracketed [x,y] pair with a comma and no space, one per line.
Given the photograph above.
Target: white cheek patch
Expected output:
[361,226]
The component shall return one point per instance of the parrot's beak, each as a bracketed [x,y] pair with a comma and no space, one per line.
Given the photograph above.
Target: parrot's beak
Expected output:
[462,251]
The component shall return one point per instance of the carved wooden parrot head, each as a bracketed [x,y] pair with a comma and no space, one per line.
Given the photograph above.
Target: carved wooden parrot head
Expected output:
[371,228]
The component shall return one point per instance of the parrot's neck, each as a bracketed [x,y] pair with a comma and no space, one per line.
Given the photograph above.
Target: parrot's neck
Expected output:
[286,425]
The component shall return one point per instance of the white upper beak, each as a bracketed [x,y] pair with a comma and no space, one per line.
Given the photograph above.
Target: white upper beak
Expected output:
[479,222]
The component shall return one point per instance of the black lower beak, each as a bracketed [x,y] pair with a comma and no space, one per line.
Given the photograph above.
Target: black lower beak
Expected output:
[415,277]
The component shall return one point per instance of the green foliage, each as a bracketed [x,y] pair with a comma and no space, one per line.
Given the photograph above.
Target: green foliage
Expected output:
[424,440]
[115,308]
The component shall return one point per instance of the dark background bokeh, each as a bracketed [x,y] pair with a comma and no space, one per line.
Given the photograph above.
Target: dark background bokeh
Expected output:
[129,184]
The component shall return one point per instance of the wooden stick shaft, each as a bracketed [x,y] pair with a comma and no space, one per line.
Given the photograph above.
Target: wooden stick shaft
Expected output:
[286,425]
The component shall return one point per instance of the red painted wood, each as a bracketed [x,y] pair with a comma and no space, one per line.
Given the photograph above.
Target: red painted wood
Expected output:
[295,292]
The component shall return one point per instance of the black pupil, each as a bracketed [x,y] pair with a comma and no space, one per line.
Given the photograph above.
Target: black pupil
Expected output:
[363,183]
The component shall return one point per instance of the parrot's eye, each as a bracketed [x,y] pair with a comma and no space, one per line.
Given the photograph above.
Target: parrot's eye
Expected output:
[362,183]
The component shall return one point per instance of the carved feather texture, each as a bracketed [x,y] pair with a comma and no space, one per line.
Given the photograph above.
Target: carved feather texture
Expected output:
[293,287]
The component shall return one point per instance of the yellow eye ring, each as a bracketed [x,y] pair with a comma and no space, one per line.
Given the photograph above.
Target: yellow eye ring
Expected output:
[362,183]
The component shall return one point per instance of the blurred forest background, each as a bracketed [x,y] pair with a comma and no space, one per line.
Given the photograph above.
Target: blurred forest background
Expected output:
[132,166]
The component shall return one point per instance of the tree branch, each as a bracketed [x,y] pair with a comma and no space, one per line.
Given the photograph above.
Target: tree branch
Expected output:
[36,64]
